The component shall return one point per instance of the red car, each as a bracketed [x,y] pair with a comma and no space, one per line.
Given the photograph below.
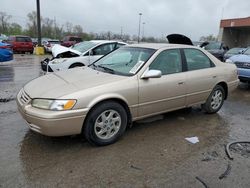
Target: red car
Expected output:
[70,40]
[21,43]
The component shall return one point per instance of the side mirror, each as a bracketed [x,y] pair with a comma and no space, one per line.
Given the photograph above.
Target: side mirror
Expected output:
[152,74]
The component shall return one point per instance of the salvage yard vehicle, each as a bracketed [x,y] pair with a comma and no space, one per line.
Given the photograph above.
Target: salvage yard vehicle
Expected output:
[70,40]
[81,54]
[218,49]
[21,44]
[49,43]
[232,52]
[133,82]
[6,53]
[242,61]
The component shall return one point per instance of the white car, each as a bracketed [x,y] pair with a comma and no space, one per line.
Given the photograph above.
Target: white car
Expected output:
[81,54]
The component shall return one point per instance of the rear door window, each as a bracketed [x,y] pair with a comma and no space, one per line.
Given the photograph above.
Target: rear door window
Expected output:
[197,60]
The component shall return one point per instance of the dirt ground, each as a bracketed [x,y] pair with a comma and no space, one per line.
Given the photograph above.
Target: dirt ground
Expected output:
[153,153]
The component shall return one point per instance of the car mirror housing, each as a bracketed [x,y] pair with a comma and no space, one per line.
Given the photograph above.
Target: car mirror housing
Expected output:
[152,74]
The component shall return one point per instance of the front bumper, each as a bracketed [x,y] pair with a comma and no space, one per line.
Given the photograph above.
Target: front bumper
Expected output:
[244,74]
[45,67]
[51,123]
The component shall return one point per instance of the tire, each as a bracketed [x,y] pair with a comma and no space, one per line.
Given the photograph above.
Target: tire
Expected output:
[215,100]
[105,124]
[76,65]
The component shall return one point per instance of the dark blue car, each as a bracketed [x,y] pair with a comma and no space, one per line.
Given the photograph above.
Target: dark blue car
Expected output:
[6,53]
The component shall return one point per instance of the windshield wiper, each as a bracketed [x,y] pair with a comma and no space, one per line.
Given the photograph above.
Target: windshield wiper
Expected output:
[106,69]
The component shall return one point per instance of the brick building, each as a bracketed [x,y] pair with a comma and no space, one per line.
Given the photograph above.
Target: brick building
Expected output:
[235,32]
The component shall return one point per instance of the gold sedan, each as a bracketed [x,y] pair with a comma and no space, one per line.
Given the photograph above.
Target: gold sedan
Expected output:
[131,83]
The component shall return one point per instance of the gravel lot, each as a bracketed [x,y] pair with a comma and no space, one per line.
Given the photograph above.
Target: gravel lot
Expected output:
[153,153]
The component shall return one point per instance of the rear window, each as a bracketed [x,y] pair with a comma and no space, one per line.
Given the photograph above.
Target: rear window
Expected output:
[23,39]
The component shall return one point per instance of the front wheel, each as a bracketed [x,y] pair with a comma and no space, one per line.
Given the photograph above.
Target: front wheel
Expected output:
[215,100]
[105,124]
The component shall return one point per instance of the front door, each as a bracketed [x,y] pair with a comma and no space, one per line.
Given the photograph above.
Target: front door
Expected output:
[166,93]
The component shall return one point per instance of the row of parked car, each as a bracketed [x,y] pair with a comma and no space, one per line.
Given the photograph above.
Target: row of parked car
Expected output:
[21,43]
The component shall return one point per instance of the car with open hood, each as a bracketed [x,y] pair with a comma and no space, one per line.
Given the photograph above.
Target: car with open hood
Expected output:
[218,49]
[242,61]
[80,54]
[133,82]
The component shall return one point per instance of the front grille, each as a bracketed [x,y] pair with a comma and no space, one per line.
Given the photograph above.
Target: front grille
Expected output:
[24,98]
[243,65]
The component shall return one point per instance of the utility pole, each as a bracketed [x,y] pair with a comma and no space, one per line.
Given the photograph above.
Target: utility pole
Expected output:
[139,30]
[38,22]
[121,32]
[143,24]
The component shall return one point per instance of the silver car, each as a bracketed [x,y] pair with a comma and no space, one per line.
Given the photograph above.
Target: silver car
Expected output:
[129,84]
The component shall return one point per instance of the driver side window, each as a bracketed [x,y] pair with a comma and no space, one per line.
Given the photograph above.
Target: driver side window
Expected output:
[168,62]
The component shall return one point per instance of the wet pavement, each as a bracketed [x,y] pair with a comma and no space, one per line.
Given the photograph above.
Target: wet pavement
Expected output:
[153,153]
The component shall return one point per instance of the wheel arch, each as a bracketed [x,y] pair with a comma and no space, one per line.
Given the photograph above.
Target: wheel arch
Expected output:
[76,63]
[103,99]
[225,87]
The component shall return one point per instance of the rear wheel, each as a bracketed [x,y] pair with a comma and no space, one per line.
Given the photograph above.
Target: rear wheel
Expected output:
[105,124]
[215,100]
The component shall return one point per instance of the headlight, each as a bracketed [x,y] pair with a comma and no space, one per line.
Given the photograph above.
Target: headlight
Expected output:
[56,61]
[57,105]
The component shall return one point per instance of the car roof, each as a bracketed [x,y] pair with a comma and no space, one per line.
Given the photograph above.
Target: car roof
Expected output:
[105,41]
[157,46]
[19,36]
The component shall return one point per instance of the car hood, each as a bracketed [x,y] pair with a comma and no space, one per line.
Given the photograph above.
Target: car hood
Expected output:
[216,51]
[179,39]
[59,84]
[59,49]
[240,58]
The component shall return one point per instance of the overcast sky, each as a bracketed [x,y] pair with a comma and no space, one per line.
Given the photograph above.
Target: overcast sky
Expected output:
[194,18]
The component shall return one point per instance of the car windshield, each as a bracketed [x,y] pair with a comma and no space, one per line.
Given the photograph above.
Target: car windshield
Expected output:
[213,46]
[84,46]
[124,61]
[23,39]
[234,50]
[54,41]
[247,52]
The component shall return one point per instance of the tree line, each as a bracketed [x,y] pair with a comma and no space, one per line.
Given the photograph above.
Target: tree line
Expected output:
[51,29]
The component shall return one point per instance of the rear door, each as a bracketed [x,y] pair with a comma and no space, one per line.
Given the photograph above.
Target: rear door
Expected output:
[201,75]
[168,92]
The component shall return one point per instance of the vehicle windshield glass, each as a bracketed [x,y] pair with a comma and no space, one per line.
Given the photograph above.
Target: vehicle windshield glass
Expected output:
[54,42]
[84,46]
[213,46]
[124,61]
[247,52]
[23,39]
[234,51]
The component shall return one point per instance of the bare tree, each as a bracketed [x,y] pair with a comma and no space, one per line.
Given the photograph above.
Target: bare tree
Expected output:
[4,24]
[32,24]
[210,37]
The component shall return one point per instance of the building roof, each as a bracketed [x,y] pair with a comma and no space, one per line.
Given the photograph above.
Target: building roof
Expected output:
[235,22]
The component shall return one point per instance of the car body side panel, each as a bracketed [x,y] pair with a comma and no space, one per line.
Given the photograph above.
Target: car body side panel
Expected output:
[200,84]
[162,94]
